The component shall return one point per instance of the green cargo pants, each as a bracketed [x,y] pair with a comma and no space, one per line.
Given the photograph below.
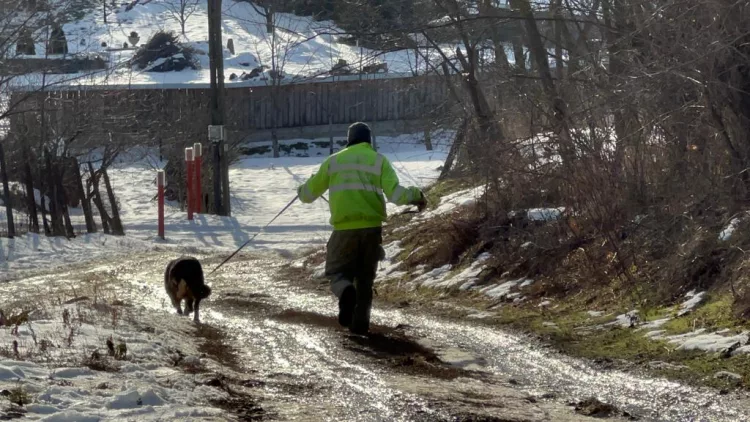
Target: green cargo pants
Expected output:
[352,260]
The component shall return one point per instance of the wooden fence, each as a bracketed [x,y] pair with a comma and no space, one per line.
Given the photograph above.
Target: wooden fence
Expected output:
[160,112]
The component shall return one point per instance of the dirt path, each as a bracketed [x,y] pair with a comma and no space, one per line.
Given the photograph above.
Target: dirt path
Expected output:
[283,357]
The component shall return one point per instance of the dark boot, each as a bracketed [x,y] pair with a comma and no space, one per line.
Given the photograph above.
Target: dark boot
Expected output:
[361,320]
[347,302]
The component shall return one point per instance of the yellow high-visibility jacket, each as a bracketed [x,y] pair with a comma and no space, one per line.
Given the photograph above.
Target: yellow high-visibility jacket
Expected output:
[357,177]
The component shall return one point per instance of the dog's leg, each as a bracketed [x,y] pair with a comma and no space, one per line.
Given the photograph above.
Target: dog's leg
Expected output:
[176,303]
[196,318]
[189,300]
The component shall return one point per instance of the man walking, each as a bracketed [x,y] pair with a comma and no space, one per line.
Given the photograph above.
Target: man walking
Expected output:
[357,178]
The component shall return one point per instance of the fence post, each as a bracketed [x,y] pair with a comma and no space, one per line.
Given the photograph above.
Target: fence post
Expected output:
[160,181]
[198,159]
[189,159]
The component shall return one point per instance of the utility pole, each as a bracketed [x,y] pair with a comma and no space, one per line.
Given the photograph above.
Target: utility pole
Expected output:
[216,129]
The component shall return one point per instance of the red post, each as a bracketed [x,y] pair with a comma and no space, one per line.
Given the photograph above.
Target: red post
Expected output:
[189,166]
[160,182]
[198,153]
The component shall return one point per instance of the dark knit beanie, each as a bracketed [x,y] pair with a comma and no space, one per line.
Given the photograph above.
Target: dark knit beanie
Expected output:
[358,133]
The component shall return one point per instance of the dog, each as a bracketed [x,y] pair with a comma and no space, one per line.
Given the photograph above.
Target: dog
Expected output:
[183,279]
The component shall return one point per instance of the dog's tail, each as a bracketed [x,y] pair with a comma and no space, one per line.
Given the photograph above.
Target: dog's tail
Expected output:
[205,292]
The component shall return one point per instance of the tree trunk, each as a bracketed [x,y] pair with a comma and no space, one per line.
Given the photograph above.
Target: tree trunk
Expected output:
[6,194]
[427,138]
[42,203]
[557,105]
[453,152]
[117,228]
[30,197]
[98,199]
[85,199]
[487,8]
[55,214]
[63,204]
[275,143]
[269,21]
[558,24]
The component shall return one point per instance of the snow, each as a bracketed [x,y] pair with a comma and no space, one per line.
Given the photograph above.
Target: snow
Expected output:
[544,214]
[390,264]
[625,319]
[595,314]
[731,376]
[694,299]
[451,202]
[503,290]
[708,342]
[62,389]
[656,323]
[434,277]
[481,315]
[301,47]
[727,232]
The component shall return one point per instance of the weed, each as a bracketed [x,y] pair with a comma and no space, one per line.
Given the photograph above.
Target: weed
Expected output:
[19,396]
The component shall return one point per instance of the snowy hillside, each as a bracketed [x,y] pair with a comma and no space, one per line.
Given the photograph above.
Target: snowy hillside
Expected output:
[302,47]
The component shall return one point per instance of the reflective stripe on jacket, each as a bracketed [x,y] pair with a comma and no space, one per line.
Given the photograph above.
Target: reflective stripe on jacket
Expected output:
[357,178]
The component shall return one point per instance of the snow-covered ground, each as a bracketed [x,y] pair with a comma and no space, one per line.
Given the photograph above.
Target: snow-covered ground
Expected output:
[260,188]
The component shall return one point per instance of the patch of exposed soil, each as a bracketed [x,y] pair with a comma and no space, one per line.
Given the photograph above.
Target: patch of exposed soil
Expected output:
[215,344]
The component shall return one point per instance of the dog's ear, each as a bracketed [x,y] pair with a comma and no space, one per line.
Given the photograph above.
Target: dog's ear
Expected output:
[206,291]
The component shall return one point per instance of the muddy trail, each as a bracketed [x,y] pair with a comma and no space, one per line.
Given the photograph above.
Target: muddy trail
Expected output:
[284,357]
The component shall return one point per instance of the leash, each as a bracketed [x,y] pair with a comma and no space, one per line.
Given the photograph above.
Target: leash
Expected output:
[256,234]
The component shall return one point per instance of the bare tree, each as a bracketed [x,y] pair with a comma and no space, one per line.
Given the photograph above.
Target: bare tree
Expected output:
[282,41]
[181,10]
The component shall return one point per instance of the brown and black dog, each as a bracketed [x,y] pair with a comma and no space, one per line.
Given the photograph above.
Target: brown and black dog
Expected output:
[183,279]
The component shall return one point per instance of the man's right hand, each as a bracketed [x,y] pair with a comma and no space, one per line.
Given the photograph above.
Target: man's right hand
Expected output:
[421,203]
